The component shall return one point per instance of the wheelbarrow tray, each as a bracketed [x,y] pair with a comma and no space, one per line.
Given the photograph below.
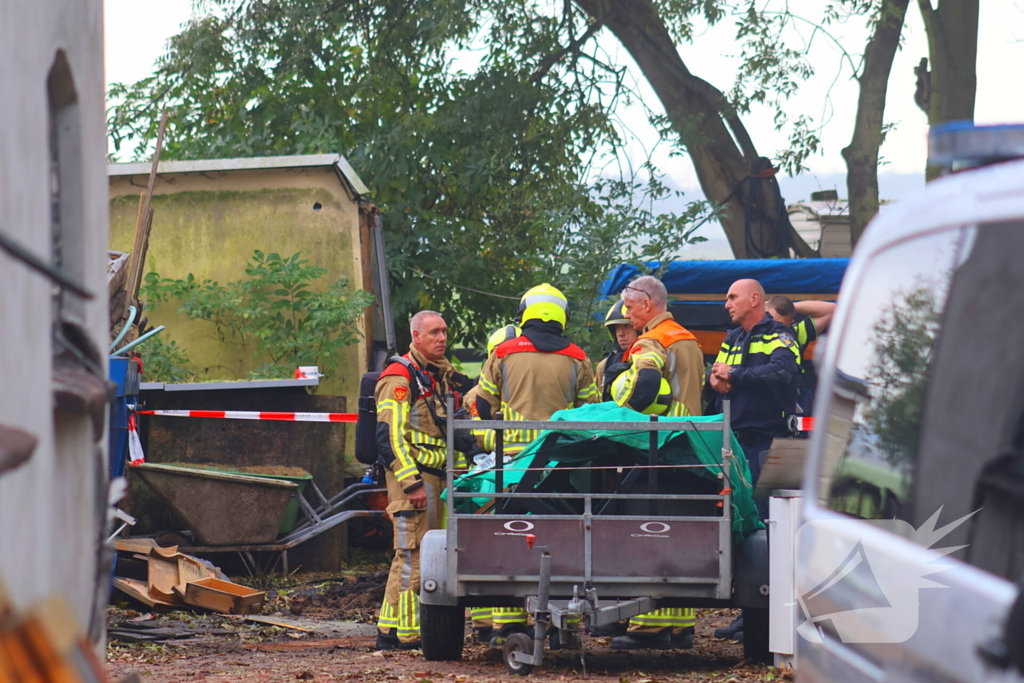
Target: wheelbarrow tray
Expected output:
[221,508]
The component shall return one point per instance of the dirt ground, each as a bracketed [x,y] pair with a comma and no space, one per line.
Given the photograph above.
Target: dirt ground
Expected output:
[336,640]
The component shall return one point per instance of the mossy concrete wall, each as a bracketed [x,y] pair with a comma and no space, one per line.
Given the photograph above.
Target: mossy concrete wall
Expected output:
[209,223]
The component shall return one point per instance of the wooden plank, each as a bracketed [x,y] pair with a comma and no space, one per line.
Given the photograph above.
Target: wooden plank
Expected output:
[135,545]
[144,223]
[221,596]
[162,578]
[271,622]
[139,591]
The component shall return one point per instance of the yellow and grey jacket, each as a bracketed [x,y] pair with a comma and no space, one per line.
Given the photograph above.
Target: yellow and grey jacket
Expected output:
[673,352]
[530,384]
[408,437]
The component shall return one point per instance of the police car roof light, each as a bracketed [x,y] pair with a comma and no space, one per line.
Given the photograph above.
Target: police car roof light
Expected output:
[958,145]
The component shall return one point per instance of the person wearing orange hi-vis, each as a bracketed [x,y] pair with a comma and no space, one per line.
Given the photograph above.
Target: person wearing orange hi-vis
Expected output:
[531,377]
[665,351]
[665,376]
[410,396]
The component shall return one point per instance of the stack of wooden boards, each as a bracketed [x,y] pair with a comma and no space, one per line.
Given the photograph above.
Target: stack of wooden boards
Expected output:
[176,579]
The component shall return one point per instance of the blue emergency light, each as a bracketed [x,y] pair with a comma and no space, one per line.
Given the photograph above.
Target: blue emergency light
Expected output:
[959,145]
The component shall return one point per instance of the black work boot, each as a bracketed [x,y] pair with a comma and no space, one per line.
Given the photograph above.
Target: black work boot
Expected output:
[684,640]
[483,634]
[616,628]
[643,641]
[387,641]
[730,631]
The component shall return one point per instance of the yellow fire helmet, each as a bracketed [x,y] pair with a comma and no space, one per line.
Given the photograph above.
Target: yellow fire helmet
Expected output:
[623,386]
[616,316]
[543,302]
[502,335]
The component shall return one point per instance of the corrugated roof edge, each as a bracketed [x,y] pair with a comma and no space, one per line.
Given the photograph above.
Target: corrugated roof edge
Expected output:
[339,162]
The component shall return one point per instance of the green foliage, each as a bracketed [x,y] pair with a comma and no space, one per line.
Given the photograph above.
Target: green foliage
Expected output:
[469,168]
[623,228]
[275,314]
[905,336]
[477,124]
[164,361]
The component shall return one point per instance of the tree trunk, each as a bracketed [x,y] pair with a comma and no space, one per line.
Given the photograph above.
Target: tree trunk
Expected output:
[718,144]
[862,154]
[952,30]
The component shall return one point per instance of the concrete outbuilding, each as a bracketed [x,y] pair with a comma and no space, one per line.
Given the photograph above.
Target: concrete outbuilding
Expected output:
[53,367]
[211,215]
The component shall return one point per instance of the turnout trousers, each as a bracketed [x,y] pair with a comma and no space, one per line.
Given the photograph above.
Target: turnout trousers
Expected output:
[400,612]
[678,619]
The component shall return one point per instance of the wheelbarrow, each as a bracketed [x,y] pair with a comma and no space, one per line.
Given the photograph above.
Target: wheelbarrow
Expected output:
[230,512]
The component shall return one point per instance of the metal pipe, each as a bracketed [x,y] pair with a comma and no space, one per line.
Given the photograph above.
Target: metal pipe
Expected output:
[132,345]
[385,286]
[499,461]
[541,617]
[449,435]
[652,475]
[572,425]
[124,330]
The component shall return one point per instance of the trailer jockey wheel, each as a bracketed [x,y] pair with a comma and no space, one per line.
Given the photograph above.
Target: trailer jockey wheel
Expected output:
[517,642]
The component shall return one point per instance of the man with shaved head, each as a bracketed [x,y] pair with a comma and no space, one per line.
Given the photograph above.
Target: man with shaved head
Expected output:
[411,413]
[754,370]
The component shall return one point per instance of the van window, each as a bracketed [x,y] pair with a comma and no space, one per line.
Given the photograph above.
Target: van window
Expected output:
[882,375]
[971,451]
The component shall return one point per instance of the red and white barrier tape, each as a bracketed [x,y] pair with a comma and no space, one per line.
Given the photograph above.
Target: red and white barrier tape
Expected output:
[805,424]
[135,454]
[255,415]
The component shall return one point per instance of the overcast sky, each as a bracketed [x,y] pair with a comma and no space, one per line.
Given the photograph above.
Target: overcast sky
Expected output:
[136,33]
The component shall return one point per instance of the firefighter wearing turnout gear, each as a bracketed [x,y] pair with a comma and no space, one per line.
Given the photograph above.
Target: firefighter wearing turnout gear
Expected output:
[665,350]
[623,335]
[538,373]
[410,399]
[531,377]
[664,353]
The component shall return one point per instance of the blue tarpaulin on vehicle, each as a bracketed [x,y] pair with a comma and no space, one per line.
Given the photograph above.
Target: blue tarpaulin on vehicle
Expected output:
[777,276]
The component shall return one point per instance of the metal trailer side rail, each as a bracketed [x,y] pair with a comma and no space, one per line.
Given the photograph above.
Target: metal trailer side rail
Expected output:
[726,467]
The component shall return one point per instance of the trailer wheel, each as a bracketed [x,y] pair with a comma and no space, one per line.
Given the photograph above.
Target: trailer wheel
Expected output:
[442,632]
[517,642]
[755,635]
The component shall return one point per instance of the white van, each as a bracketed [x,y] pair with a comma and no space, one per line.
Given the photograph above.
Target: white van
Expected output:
[920,423]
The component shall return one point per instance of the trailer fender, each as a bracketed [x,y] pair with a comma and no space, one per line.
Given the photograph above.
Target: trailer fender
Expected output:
[751,571]
[434,589]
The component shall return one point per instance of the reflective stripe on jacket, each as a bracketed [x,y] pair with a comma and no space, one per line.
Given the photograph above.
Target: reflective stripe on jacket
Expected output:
[407,436]
[764,363]
[672,350]
[529,384]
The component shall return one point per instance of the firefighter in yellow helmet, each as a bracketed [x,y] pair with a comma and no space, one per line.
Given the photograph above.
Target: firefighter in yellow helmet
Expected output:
[530,377]
[538,373]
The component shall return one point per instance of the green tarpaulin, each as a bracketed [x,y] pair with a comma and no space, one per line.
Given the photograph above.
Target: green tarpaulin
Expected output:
[675,448]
